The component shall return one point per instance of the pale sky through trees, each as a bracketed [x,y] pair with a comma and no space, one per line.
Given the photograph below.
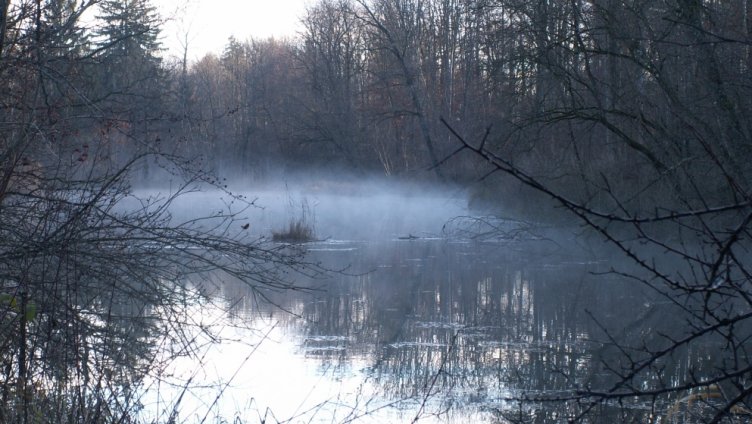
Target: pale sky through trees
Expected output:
[209,23]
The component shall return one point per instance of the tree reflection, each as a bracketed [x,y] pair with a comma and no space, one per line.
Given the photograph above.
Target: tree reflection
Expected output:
[483,326]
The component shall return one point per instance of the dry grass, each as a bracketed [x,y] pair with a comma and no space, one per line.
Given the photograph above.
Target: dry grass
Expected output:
[300,228]
[297,231]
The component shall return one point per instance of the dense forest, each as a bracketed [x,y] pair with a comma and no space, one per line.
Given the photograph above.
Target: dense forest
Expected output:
[632,90]
[630,116]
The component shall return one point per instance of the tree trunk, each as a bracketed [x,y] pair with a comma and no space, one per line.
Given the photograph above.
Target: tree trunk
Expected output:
[3,22]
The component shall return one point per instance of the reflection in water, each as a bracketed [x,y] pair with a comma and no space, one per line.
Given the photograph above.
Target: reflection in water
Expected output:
[448,331]
[417,325]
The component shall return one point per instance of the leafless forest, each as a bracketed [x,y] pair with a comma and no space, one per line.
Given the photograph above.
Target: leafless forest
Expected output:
[629,119]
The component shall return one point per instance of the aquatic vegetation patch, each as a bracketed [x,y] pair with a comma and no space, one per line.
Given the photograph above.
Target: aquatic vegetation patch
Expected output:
[297,231]
[300,228]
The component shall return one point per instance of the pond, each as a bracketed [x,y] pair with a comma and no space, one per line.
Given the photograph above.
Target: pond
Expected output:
[419,323]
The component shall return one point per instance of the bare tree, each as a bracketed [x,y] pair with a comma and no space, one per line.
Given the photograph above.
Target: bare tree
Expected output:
[658,166]
[396,28]
[332,56]
[91,272]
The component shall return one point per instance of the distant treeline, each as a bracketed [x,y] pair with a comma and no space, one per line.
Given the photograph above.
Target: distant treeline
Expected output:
[630,96]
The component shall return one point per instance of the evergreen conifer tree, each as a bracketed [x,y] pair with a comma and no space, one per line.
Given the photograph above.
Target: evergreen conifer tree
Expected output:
[129,38]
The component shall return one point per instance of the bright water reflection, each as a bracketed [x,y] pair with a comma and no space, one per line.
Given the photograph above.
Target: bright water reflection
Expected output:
[434,328]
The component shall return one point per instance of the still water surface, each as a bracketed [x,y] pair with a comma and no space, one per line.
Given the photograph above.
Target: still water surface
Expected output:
[421,324]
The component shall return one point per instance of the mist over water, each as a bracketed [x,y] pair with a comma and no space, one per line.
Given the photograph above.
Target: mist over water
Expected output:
[336,209]
[426,321]
[376,215]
